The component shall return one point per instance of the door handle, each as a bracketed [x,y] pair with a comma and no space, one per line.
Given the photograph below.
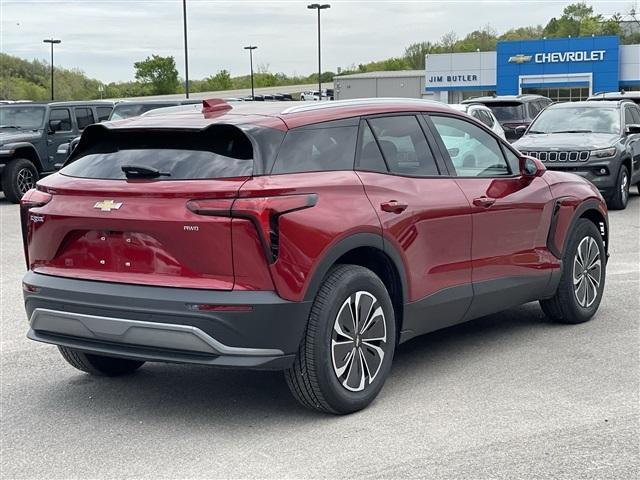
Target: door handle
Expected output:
[484,201]
[394,206]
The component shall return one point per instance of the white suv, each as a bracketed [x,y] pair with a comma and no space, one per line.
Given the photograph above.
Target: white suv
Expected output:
[481,113]
[310,95]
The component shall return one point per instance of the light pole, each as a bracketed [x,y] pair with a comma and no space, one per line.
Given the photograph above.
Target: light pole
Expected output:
[186,53]
[317,6]
[52,42]
[251,48]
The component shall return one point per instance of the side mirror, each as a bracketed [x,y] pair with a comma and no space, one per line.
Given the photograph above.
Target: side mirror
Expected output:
[531,167]
[631,129]
[520,129]
[55,126]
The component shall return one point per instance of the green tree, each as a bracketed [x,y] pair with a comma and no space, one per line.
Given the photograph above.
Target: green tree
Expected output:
[219,81]
[158,72]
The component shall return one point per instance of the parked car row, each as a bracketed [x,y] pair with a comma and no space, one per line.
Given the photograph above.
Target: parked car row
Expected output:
[598,139]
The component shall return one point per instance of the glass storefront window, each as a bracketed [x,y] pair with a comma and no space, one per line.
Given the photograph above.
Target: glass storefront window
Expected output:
[565,94]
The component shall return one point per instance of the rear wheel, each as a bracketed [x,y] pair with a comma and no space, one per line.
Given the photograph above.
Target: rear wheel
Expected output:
[18,177]
[98,364]
[583,276]
[620,195]
[346,353]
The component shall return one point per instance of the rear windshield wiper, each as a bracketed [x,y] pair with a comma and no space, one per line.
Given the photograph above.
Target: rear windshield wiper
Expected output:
[574,131]
[141,171]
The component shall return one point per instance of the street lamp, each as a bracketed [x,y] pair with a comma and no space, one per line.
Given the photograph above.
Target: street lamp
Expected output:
[251,48]
[52,42]
[186,53]
[317,6]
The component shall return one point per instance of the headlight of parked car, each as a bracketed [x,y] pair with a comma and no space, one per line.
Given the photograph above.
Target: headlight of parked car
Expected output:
[603,153]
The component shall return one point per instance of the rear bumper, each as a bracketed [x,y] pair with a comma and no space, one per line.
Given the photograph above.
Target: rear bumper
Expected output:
[160,324]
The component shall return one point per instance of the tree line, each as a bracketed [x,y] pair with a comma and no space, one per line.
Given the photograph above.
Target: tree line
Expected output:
[22,79]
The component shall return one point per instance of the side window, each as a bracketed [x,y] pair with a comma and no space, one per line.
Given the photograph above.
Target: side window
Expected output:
[370,159]
[635,113]
[404,146]
[534,109]
[84,117]
[483,116]
[63,115]
[473,152]
[103,113]
[628,116]
[317,149]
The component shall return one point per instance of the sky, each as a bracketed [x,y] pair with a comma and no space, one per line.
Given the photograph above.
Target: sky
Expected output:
[104,38]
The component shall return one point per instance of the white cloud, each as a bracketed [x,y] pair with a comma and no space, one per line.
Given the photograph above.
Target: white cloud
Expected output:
[105,38]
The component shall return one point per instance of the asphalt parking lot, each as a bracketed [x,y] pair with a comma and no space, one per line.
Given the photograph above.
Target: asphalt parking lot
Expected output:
[506,396]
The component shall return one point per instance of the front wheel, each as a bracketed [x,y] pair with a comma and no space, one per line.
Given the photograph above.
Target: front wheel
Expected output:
[582,280]
[346,353]
[18,177]
[99,365]
[620,195]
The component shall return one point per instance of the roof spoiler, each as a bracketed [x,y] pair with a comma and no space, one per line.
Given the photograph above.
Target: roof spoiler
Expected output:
[215,105]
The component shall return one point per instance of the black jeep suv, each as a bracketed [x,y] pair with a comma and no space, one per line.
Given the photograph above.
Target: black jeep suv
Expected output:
[514,112]
[30,134]
[596,140]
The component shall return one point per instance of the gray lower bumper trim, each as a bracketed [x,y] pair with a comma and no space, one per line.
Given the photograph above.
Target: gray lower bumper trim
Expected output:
[135,332]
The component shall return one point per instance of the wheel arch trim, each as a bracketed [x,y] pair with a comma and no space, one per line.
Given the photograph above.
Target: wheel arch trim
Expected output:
[574,209]
[347,245]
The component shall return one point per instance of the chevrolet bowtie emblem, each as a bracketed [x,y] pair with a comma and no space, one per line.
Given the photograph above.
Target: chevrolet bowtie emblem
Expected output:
[107,205]
[520,58]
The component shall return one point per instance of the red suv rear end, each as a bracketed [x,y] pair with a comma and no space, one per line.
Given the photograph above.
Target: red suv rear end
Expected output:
[310,240]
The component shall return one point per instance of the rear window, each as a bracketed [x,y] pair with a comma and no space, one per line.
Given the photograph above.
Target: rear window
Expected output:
[506,111]
[318,148]
[221,151]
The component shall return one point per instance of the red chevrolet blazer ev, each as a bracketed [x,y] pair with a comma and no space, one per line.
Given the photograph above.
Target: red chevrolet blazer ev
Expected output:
[312,239]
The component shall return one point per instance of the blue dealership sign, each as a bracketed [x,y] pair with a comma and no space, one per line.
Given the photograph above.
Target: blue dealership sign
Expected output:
[562,58]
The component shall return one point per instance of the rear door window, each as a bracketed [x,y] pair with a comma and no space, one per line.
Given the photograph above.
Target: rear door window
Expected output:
[404,146]
[534,109]
[84,117]
[370,158]
[221,151]
[103,113]
[317,148]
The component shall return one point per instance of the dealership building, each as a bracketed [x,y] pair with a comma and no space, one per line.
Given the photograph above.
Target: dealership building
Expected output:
[562,69]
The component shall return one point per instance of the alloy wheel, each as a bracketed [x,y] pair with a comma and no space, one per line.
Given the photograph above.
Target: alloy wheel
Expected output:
[25,180]
[357,341]
[587,272]
[624,188]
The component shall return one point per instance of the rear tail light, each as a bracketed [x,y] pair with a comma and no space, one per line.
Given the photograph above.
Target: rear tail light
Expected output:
[263,212]
[32,199]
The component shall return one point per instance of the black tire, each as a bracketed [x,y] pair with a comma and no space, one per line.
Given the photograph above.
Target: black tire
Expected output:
[565,306]
[18,176]
[313,378]
[98,364]
[620,195]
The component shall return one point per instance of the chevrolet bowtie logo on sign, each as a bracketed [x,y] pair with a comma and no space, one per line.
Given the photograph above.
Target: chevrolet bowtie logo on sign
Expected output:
[520,58]
[107,205]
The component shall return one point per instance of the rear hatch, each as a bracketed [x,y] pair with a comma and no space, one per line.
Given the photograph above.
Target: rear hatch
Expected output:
[118,210]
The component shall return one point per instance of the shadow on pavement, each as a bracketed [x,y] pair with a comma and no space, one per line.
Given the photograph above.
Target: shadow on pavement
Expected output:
[184,393]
